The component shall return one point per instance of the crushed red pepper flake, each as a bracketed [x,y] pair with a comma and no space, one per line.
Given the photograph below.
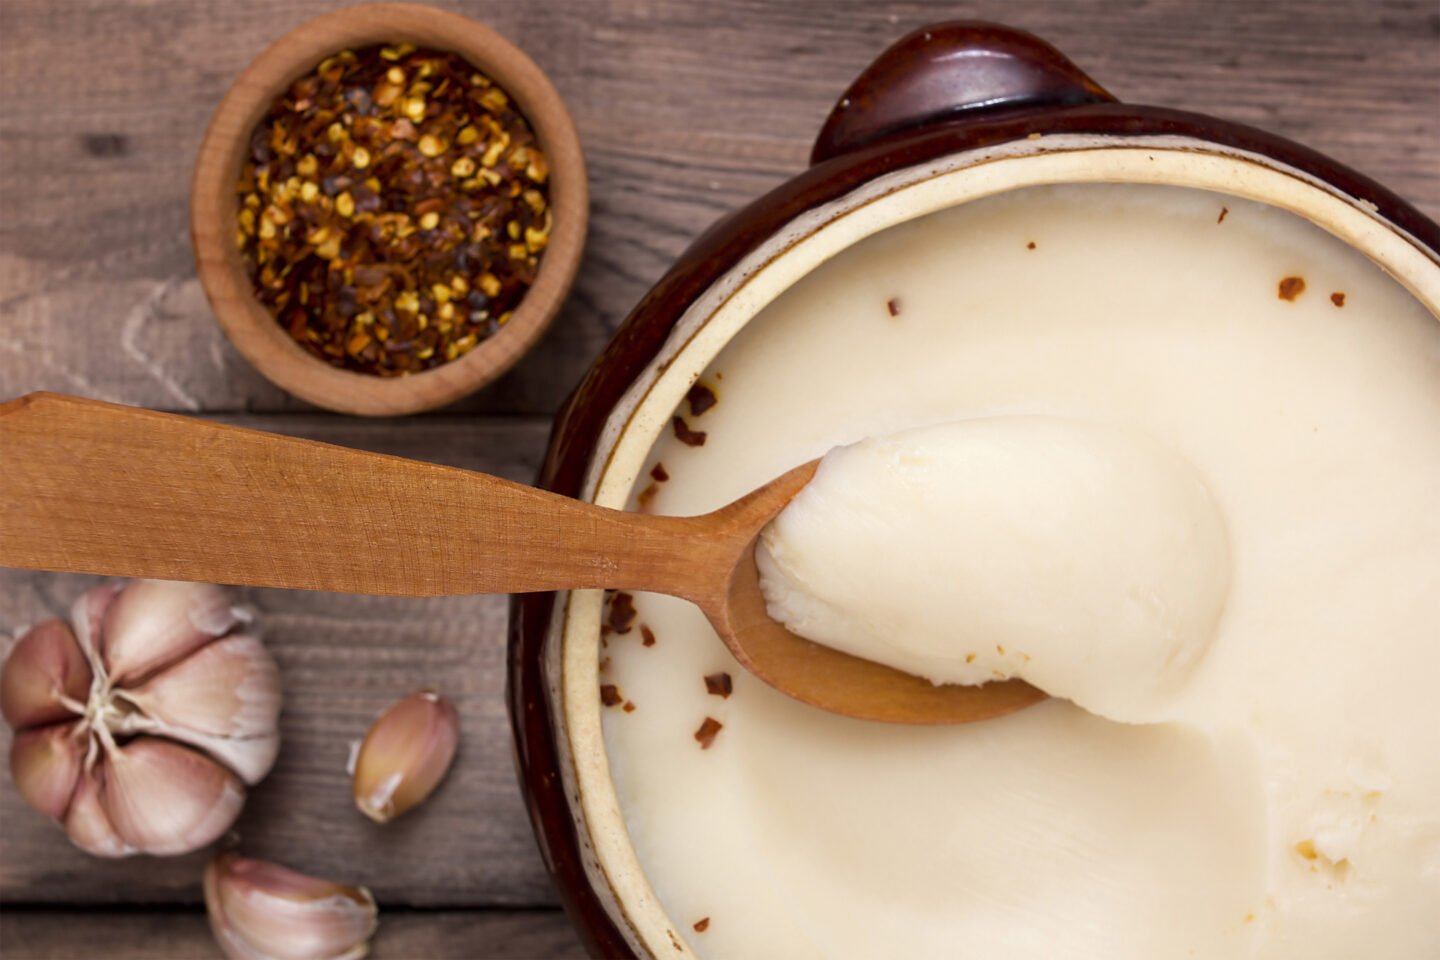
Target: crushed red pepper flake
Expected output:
[719,684]
[393,209]
[702,924]
[647,636]
[622,612]
[1030,245]
[1224,212]
[701,398]
[610,695]
[893,306]
[705,736]
[1338,299]
[1291,287]
[604,664]
[629,707]
[691,438]
[657,477]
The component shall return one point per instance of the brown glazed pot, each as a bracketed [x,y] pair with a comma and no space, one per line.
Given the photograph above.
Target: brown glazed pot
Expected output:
[950,99]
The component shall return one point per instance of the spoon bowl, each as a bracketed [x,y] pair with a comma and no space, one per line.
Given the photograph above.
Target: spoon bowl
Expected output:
[90,487]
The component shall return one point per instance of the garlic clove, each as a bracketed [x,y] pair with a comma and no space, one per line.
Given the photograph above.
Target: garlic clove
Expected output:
[405,755]
[164,798]
[45,765]
[44,670]
[230,688]
[87,824]
[263,911]
[250,757]
[86,616]
[224,699]
[154,623]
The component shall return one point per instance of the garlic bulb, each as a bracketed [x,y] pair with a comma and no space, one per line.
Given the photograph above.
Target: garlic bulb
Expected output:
[263,911]
[405,755]
[139,730]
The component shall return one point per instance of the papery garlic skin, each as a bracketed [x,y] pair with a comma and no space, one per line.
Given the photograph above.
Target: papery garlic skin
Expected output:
[154,623]
[88,825]
[230,688]
[405,755]
[250,757]
[45,669]
[45,764]
[225,698]
[140,729]
[87,614]
[167,799]
[263,911]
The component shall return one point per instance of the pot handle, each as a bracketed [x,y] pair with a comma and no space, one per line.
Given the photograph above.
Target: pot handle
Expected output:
[949,70]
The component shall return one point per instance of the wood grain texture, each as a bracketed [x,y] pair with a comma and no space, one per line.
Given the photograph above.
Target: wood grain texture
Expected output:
[344,659]
[176,935]
[93,487]
[685,108]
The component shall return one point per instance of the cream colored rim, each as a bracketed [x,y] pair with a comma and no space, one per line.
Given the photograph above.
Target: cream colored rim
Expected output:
[810,240]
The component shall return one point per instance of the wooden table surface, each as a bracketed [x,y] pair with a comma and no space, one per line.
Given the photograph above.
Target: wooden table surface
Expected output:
[687,108]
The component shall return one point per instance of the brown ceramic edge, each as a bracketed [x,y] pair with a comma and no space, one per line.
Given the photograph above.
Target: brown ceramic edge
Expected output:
[638,340]
[223,277]
[931,74]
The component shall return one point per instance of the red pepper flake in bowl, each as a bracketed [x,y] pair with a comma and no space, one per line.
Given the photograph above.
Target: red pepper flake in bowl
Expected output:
[1291,287]
[393,210]
[719,684]
[610,695]
[701,925]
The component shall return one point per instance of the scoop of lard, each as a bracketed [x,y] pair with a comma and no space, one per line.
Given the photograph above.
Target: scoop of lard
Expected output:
[1086,559]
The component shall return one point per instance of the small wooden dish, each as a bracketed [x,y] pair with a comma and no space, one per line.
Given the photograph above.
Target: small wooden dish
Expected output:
[213,209]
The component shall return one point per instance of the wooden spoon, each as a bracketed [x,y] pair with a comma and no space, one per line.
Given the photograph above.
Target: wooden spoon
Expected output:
[90,487]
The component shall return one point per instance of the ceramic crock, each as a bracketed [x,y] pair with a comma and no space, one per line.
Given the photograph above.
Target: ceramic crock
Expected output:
[949,114]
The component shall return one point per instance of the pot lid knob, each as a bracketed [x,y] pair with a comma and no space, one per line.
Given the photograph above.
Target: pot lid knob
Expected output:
[949,70]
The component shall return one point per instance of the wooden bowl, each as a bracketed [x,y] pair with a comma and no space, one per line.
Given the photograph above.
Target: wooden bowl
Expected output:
[213,209]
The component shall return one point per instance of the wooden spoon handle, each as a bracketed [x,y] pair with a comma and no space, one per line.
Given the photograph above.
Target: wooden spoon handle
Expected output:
[90,487]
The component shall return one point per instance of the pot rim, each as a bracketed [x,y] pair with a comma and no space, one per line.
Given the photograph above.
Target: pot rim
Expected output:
[567,801]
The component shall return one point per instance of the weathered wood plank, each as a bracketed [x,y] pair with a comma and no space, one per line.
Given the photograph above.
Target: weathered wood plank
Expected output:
[686,108]
[344,658]
[148,935]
